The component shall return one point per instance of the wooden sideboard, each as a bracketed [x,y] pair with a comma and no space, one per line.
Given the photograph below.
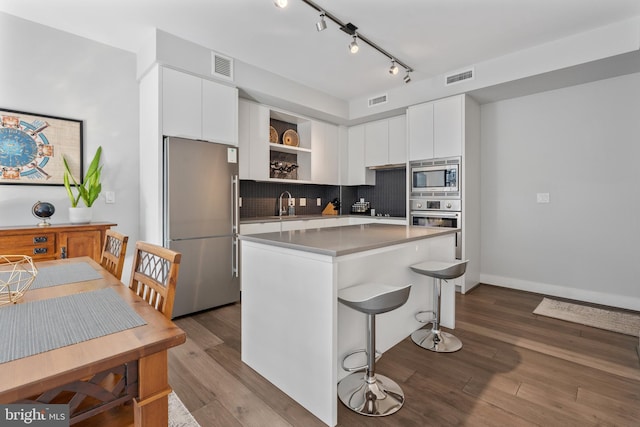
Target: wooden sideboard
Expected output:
[54,242]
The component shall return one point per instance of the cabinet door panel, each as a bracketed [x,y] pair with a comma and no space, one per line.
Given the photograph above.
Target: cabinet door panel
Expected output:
[219,113]
[324,157]
[398,140]
[376,146]
[81,243]
[420,118]
[181,104]
[447,131]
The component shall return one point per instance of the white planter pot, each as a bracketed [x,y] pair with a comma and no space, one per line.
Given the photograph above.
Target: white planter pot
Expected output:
[80,215]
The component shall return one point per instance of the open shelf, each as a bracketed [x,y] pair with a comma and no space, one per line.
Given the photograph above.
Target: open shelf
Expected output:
[288,148]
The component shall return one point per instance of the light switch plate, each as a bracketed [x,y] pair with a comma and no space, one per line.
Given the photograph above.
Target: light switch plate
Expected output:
[109,196]
[318,201]
[303,201]
[542,197]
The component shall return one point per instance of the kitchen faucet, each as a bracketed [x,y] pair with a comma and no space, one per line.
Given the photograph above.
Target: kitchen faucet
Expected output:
[283,210]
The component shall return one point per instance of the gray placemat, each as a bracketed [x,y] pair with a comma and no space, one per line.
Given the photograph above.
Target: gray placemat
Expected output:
[39,326]
[63,274]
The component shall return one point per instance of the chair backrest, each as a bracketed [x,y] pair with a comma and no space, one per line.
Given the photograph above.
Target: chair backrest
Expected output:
[154,276]
[113,251]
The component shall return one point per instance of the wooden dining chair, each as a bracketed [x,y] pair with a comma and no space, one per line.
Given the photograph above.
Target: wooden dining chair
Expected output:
[154,276]
[113,252]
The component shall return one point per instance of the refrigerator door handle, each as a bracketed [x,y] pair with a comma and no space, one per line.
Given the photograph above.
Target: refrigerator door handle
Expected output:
[235,194]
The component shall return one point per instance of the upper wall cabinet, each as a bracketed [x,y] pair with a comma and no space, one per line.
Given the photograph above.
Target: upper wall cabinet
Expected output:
[386,142]
[325,163]
[436,129]
[197,108]
[357,172]
[253,137]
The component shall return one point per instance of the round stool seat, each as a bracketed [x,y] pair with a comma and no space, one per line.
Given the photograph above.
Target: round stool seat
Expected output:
[441,269]
[374,298]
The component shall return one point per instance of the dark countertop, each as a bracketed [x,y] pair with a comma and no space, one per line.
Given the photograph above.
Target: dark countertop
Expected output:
[338,241]
[276,218]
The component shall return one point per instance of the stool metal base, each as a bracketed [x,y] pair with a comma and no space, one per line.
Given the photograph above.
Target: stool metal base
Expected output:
[438,341]
[376,397]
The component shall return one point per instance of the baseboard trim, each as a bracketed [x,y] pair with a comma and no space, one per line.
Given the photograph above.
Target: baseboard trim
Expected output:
[612,300]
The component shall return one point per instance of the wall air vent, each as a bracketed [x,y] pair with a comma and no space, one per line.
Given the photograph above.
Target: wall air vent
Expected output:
[221,66]
[377,100]
[458,77]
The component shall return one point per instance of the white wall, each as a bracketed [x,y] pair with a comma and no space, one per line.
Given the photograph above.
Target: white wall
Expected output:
[50,72]
[582,146]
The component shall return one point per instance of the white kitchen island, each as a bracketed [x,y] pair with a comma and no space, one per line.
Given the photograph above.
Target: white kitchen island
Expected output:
[294,331]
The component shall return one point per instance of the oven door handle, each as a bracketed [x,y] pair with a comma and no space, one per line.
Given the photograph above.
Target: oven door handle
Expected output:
[425,215]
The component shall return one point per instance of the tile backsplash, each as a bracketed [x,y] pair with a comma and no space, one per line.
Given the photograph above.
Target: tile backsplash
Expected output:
[388,196]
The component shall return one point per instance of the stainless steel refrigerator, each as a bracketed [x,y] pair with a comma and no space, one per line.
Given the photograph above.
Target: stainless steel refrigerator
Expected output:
[201,221]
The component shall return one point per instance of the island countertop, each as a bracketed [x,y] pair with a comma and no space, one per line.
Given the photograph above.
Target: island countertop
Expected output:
[338,241]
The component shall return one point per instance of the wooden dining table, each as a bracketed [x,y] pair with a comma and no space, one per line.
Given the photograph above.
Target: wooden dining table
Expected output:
[141,350]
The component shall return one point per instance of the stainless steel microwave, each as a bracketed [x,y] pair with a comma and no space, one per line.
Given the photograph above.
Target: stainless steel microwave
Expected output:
[435,176]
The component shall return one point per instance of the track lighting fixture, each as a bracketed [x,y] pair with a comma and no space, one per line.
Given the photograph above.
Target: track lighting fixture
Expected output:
[394,68]
[350,29]
[321,25]
[353,46]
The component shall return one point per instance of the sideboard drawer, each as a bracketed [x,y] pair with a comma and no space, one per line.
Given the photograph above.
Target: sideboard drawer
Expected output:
[37,246]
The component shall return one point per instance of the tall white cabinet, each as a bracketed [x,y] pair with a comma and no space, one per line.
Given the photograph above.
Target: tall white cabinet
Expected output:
[450,127]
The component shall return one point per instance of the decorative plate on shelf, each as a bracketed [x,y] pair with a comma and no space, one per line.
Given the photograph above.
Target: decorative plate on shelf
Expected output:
[290,137]
[273,135]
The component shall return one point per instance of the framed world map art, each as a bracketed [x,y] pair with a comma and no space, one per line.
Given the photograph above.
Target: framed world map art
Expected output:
[32,147]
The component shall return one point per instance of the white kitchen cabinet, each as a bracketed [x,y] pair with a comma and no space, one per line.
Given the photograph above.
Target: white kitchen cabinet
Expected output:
[385,142]
[435,129]
[398,140]
[358,174]
[376,145]
[181,104]
[196,108]
[253,141]
[325,164]
[219,113]
[447,127]
[420,129]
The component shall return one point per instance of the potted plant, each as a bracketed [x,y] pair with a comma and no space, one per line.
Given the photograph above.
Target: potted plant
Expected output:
[87,191]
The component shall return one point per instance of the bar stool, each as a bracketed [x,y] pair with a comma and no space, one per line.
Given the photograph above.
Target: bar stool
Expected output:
[372,395]
[435,339]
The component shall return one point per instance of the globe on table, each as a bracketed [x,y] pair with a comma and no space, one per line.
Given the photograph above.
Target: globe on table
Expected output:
[43,210]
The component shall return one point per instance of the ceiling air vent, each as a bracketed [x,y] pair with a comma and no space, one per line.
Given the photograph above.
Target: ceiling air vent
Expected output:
[377,100]
[221,66]
[459,77]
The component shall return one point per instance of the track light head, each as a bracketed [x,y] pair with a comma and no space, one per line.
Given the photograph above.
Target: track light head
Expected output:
[281,3]
[394,68]
[321,25]
[407,78]
[353,46]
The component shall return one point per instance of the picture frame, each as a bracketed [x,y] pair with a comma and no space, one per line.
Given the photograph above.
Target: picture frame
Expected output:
[32,148]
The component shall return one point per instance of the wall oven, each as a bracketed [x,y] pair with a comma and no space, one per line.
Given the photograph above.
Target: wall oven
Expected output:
[436,178]
[438,213]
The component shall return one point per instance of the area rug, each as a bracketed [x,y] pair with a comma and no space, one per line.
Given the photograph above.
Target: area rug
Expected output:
[616,321]
[179,415]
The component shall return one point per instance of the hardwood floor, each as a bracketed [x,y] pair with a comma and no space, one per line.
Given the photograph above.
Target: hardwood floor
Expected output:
[515,369]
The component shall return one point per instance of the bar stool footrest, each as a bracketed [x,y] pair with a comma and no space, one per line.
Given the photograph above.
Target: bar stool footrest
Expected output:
[358,368]
[425,321]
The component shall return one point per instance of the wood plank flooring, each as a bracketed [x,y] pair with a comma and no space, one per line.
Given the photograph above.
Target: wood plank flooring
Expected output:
[515,369]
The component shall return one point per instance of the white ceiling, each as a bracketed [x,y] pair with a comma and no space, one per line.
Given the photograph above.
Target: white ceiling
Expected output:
[431,36]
